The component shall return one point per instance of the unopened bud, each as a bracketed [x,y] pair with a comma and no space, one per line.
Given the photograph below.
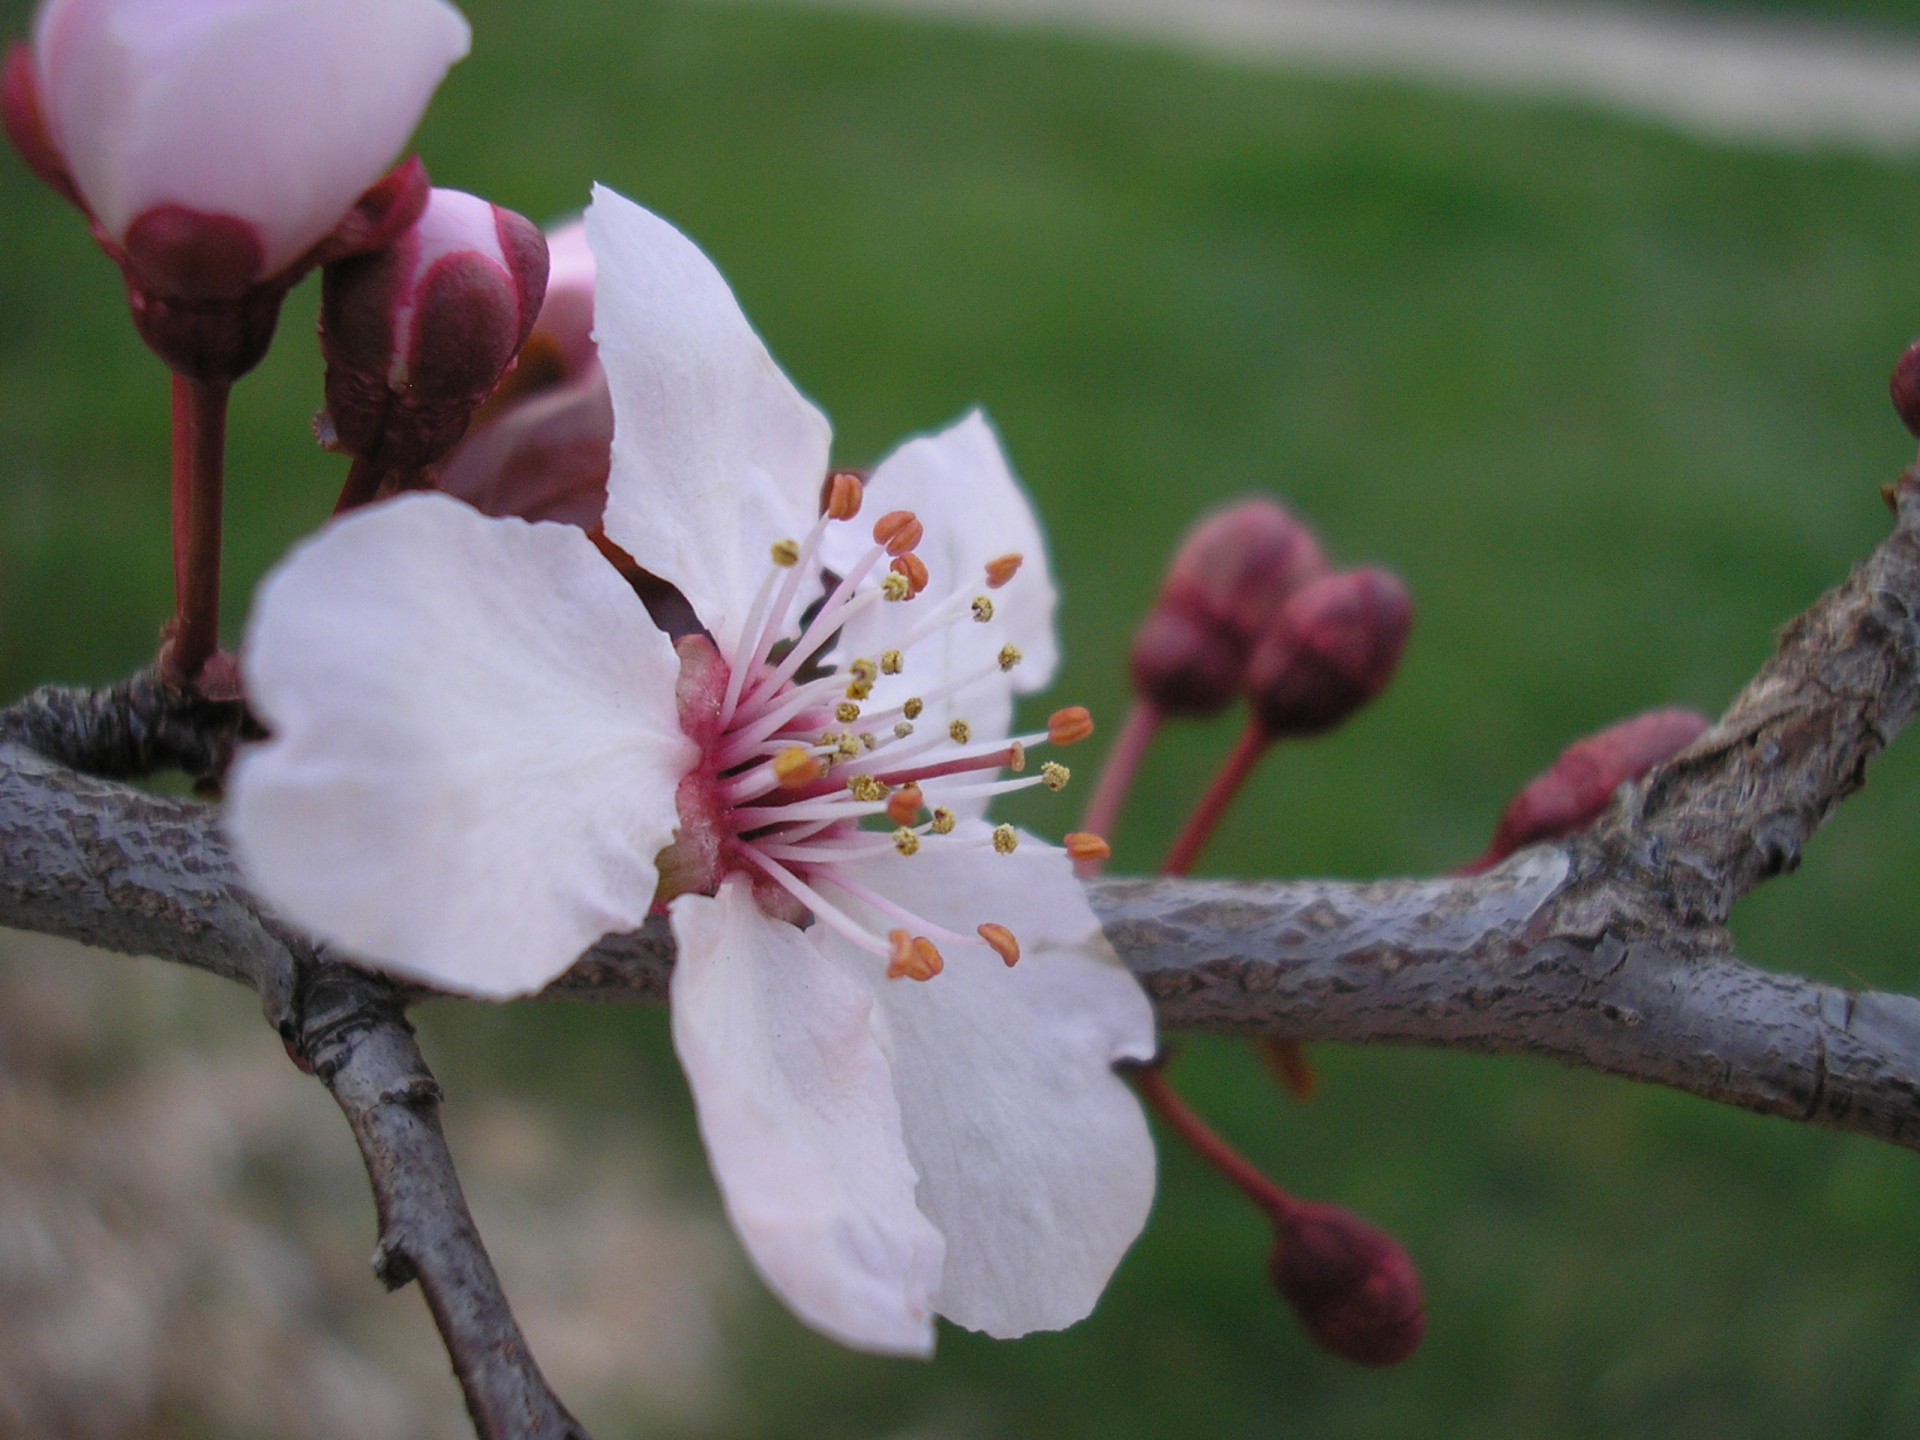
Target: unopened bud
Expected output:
[1354,1288]
[1333,647]
[418,334]
[1229,577]
[1905,388]
[210,146]
[1579,786]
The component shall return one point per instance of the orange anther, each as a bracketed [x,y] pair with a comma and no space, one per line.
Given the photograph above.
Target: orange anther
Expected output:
[905,804]
[1070,726]
[1082,845]
[1000,571]
[898,530]
[1002,941]
[913,570]
[797,767]
[844,494]
[917,958]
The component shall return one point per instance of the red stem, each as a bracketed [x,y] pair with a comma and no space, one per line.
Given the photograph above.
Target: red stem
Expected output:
[1206,815]
[1154,1087]
[363,483]
[200,450]
[1116,776]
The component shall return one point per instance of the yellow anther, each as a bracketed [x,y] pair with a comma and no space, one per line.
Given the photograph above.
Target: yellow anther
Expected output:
[895,586]
[1005,839]
[786,553]
[891,661]
[858,689]
[868,789]
[846,745]
[902,730]
[1003,943]
[899,531]
[1084,845]
[796,767]
[846,712]
[1000,571]
[982,609]
[913,707]
[1016,757]
[912,957]
[869,740]
[1054,775]
[906,842]
[1070,726]
[1009,656]
[844,494]
[961,732]
[864,670]
[904,806]
[943,821]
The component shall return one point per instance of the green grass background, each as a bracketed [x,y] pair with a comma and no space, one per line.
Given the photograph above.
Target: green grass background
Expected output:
[1611,400]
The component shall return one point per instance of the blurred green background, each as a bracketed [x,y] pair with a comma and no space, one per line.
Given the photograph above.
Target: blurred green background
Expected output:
[1612,401]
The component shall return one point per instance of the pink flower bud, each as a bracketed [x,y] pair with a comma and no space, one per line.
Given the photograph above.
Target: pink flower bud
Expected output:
[561,348]
[418,334]
[1335,644]
[1580,785]
[215,144]
[1229,577]
[1354,1288]
[1906,388]
[545,458]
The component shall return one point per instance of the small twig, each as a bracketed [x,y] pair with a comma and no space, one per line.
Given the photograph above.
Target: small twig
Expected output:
[351,1029]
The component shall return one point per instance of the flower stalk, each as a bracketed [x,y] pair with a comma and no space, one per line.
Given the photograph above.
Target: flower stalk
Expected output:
[199,486]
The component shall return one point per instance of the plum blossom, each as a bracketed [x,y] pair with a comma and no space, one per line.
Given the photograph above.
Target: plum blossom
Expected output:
[898,1020]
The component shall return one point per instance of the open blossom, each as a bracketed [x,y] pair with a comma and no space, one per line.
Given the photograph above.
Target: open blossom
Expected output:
[898,1019]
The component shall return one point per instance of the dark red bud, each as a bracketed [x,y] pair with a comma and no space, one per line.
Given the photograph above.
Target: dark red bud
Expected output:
[416,336]
[1354,1288]
[1579,786]
[545,458]
[1228,579]
[1905,387]
[193,284]
[26,123]
[1333,647]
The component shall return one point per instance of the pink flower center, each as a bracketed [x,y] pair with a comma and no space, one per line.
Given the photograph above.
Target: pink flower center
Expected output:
[803,772]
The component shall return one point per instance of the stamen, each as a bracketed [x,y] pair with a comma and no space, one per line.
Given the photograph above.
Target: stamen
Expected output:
[1005,839]
[943,820]
[896,586]
[1055,776]
[913,707]
[786,553]
[796,767]
[902,730]
[905,841]
[1003,942]
[891,661]
[868,790]
[1000,571]
[845,492]
[1016,757]
[1070,726]
[858,689]
[904,807]
[915,571]
[982,609]
[864,670]
[917,958]
[899,531]
[1083,845]
[961,732]
[1010,656]
[846,712]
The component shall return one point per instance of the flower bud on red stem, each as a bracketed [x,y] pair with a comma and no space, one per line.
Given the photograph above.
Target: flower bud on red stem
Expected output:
[1354,1287]
[1579,786]
[1231,574]
[1333,647]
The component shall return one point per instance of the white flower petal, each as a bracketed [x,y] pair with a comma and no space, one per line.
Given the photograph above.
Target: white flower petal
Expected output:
[234,107]
[796,1106]
[1035,1160]
[716,457]
[959,483]
[474,749]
